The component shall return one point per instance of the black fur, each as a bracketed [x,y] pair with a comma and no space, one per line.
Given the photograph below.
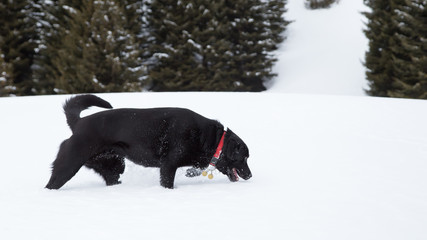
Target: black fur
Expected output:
[167,138]
[74,106]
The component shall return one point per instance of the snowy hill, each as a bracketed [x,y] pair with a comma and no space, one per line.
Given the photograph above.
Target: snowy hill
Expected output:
[324,50]
[324,166]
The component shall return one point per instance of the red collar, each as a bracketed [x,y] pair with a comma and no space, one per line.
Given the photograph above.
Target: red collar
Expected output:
[218,150]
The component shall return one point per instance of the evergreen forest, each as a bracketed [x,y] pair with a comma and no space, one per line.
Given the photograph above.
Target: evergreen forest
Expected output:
[91,46]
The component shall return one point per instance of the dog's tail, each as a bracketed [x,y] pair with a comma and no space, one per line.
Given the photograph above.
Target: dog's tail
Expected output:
[75,105]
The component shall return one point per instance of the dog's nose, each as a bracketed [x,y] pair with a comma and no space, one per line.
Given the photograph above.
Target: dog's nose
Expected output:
[246,177]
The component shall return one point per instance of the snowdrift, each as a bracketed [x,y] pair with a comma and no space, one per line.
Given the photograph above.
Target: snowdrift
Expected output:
[324,167]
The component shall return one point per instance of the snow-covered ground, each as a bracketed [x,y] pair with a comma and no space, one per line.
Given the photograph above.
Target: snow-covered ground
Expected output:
[324,166]
[324,50]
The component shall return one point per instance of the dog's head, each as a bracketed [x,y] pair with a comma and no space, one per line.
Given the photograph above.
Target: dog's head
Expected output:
[234,157]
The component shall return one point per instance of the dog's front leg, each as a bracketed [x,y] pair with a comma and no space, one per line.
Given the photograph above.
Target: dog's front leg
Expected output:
[167,176]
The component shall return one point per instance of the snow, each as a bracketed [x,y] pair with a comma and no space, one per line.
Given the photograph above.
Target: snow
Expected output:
[69,9]
[324,50]
[194,44]
[324,167]
[326,164]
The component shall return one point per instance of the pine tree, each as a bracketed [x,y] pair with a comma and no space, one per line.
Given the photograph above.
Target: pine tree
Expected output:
[136,24]
[274,11]
[55,27]
[6,85]
[18,33]
[116,51]
[170,23]
[73,59]
[397,51]
[316,4]
[410,49]
[255,31]
[214,45]
[378,59]
[90,48]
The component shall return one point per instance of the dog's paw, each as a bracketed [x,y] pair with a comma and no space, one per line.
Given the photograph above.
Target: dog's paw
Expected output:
[193,172]
[112,183]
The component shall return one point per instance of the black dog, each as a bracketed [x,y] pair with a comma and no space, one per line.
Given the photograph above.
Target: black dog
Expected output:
[167,138]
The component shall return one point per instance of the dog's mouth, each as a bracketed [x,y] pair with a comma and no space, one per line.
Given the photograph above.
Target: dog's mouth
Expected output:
[233,175]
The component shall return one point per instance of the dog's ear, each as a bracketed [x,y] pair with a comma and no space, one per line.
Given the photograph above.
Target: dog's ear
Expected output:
[211,136]
[232,149]
[235,148]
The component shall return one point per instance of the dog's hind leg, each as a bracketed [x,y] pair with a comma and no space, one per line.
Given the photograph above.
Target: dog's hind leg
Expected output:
[73,153]
[109,166]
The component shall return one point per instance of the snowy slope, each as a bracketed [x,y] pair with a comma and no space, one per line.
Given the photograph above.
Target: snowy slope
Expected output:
[324,50]
[324,166]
